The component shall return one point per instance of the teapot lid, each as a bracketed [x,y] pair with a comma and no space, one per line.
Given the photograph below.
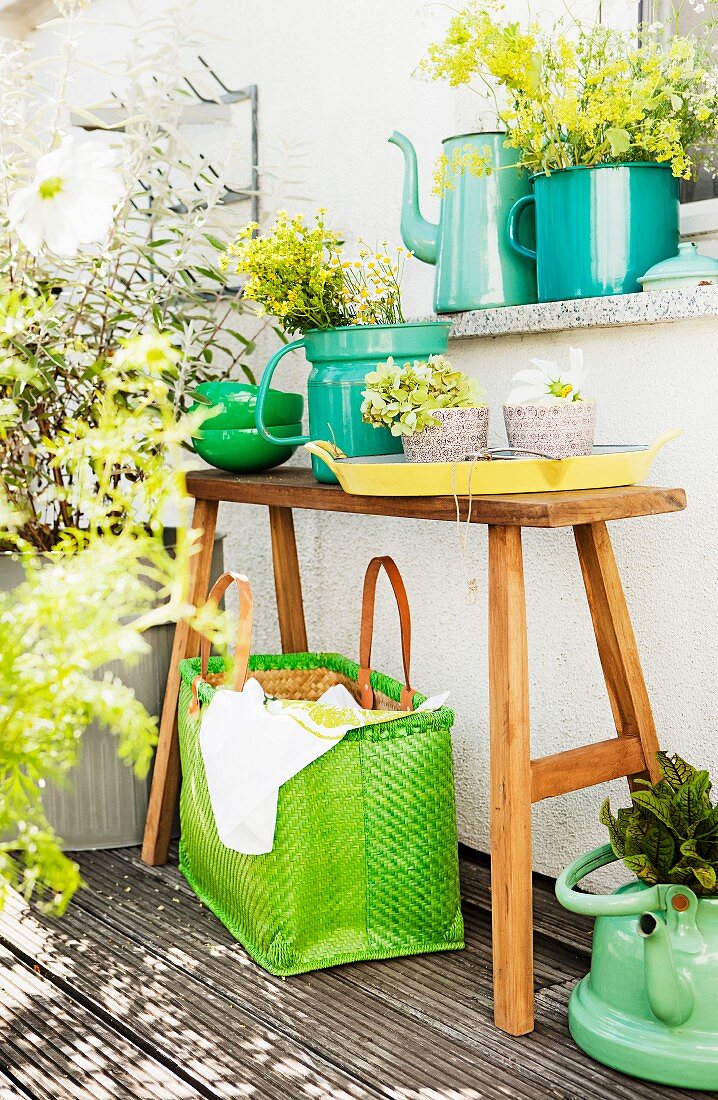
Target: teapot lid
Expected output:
[687,263]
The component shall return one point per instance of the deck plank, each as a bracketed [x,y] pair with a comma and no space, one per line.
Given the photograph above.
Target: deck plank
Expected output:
[55,1049]
[140,965]
[426,991]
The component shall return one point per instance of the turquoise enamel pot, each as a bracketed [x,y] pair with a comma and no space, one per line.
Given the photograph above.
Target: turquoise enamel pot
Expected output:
[648,1007]
[476,268]
[340,360]
[599,229]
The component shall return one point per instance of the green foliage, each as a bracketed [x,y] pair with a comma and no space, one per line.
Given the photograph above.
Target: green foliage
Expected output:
[584,93]
[670,834]
[88,603]
[296,273]
[404,398]
[62,320]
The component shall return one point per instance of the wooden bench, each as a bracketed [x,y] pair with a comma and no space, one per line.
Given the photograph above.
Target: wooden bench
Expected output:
[516,780]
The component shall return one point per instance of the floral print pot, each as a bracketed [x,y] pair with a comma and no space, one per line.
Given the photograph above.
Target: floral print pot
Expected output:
[560,431]
[461,432]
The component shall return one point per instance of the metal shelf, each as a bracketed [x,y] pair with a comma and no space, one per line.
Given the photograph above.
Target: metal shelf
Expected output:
[204,111]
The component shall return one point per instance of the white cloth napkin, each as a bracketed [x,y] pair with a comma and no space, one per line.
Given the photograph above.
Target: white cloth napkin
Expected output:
[252,744]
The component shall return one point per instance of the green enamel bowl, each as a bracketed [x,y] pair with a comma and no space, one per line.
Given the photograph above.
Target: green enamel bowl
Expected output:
[235,402]
[243,450]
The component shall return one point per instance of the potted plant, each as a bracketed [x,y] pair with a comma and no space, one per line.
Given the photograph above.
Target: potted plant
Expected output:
[79,619]
[648,1006]
[435,410]
[350,316]
[97,246]
[606,121]
[546,411]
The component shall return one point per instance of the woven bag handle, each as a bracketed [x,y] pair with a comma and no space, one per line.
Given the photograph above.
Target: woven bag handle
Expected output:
[244,630]
[367,630]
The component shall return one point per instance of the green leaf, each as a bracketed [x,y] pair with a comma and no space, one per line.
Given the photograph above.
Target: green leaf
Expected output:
[707,827]
[655,842]
[619,140]
[641,867]
[674,769]
[706,875]
[690,803]
[660,809]
[614,833]
[680,873]
[221,246]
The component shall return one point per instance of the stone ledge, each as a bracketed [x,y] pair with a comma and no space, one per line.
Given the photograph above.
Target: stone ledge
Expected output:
[648,308]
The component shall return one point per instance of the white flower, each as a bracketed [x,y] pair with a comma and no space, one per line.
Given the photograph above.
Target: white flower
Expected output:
[71,200]
[548,384]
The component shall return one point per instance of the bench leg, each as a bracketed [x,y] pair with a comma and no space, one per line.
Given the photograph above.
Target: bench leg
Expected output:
[287,581]
[616,643]
[510,787]
[166,777]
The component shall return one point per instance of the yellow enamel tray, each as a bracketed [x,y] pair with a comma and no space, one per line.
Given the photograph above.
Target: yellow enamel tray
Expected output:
[393,476]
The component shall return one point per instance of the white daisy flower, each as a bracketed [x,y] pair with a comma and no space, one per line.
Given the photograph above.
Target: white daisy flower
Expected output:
[548,384]
[71,200]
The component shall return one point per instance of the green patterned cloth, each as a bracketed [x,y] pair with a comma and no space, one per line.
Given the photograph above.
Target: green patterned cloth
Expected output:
[364,864]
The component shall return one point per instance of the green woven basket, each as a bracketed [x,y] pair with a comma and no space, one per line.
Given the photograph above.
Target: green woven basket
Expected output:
[364,864]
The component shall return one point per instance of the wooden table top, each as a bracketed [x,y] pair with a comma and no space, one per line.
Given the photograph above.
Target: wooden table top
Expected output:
[295,487]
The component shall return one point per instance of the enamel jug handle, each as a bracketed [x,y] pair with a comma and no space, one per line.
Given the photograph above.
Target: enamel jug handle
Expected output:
[266,381]
[513,226]
[603,905]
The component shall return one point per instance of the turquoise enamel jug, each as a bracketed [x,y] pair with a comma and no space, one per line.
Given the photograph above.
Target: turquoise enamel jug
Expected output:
[475,266]
[649,1006]
[599,229]
[341,358]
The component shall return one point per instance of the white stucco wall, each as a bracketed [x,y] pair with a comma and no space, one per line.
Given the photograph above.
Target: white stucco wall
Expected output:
[334,81]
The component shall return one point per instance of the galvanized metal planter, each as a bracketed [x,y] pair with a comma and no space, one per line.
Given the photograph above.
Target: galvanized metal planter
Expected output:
[649,1006]
[104,804]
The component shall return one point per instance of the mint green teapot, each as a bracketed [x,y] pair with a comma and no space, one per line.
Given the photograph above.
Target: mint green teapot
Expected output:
[649,1006]
[476,267]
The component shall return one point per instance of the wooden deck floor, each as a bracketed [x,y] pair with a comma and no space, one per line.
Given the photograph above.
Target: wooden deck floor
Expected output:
[139,992]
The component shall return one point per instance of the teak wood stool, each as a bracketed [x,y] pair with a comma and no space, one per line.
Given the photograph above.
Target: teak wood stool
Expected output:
[516,780]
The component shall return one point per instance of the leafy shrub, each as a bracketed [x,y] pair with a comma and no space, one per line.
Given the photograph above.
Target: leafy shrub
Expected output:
[670,834]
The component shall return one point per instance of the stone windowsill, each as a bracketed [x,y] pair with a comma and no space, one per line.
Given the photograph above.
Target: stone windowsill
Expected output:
[622,309]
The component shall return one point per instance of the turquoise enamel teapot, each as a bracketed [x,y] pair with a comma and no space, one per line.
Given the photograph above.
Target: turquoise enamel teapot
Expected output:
[476,267]
[649,1006]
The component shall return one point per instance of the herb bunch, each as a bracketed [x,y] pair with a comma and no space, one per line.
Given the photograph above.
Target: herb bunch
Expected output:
[297,273]
[670,833]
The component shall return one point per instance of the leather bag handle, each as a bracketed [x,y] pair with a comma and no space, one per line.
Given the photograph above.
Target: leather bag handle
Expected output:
[367,630]
[244,633]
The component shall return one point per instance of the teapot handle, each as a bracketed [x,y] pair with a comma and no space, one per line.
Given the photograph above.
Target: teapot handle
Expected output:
[604,905]
[287,441]
[513,226]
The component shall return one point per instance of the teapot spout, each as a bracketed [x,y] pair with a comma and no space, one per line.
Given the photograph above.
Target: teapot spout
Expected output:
[419,235]
[669,995]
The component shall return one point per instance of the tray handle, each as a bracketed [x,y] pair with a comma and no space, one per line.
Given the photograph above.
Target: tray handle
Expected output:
[328,452]
[665,437]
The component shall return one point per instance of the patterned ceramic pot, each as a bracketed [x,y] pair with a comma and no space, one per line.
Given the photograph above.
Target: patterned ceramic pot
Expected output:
[460,433]
[560,431]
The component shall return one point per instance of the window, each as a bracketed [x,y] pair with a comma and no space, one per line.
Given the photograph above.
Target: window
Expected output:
[699,197]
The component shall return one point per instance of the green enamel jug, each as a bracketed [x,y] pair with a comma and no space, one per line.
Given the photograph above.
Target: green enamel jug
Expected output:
[649,1006]
[475,266]
[599,229]
[341,358]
